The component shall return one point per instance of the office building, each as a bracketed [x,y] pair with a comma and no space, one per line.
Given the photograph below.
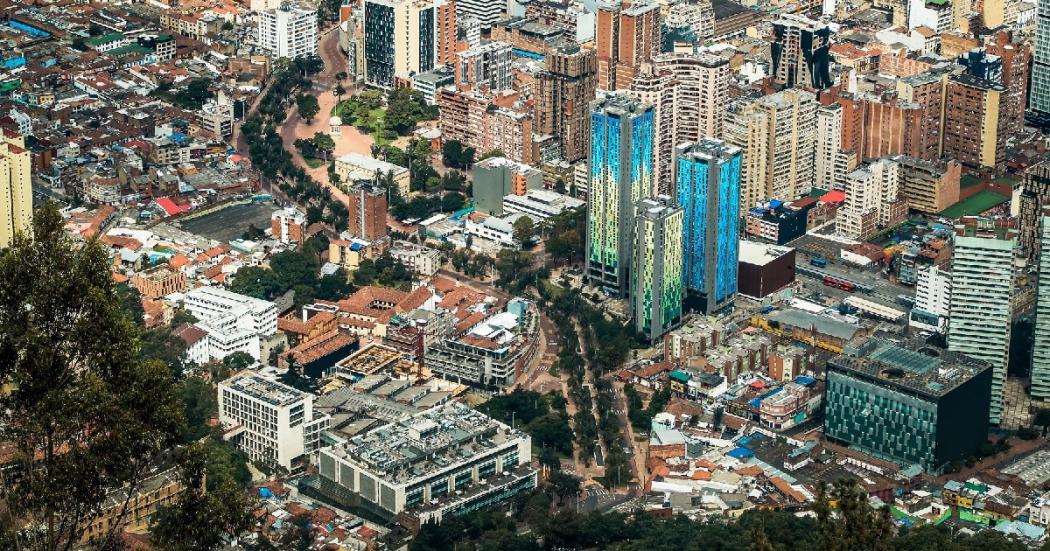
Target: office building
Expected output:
[16,188]
[445,461]
[1041,344]
[929,186]
[273,423]
[975,130]
[777,134]
[621,166]
[367,206]
[566,88]
[428,83]
[801,52]
[933,292]
[908,404]
[288,31]
[979,317]
[873,200]
[486,66]
[778,222]
[656,269]
[1029,197]
[497,177]
[217,117]
[707,176]
[401,39]
[625,37]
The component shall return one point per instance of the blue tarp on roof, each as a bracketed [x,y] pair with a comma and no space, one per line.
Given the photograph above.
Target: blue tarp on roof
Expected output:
[805,381]
[355,246]
[264,492]
[741,453]
[755,402]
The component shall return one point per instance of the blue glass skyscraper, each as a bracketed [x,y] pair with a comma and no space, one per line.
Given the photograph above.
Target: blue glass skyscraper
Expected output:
[621,168]
[707,180]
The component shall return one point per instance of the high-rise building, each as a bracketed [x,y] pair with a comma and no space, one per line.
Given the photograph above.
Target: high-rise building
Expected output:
[486,66]
[975,130]
[1041,344]
[656,269]
[288,31]
[830,160]
[801,52]
[933,292]
[272,422]
[707,176]
[979,317]
[659,89]
[16,188]
[485,12]
[910,404]
[777,134]
[1016,56]
[1040,87]
[401,39]
[1029,197]
[367,206]
[873,200]
[566,90]
[621,168]
[926,92]
[929,186]
[447,33]
[701,93]
[625,37]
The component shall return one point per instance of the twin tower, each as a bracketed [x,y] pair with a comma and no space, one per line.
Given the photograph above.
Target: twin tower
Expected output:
[665,253]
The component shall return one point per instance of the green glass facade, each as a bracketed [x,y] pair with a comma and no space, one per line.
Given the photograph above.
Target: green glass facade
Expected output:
[907,406]
[656,272]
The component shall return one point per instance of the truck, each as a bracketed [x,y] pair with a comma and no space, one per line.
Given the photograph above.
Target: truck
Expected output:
[818,262]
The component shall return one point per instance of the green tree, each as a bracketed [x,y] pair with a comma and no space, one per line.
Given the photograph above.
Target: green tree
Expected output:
[86,413]
[202,518]
[162,345]
[308,107]
[131,302]
[524,229]
[405,108]
[200,405]
[324,143]
[491,154]
[238,361]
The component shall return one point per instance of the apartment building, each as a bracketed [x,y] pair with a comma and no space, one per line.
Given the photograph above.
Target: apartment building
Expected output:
[873,200]
[566,88]
[16,189]
[625,38]
[288,31]
[656,267]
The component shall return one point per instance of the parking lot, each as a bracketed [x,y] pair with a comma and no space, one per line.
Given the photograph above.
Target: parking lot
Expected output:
[231,222]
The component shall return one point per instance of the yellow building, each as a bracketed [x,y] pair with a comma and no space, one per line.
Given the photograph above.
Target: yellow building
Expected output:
[16,190]
[160,490]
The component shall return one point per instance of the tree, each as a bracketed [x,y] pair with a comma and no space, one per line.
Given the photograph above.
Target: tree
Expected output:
[200,404]
[491,154]
[452,202]
[131,302]
[238,361]
[201,519]
[524,230]
[308,107]
[564,485]
[405,108]
[324,143]
[193,96]
[339,91]
[86,412]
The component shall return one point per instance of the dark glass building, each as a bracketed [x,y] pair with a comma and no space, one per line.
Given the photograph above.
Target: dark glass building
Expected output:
[909,404]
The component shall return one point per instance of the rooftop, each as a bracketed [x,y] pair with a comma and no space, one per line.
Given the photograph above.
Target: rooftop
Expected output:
[261,388]
[426,442]
[922,369]
[760,254]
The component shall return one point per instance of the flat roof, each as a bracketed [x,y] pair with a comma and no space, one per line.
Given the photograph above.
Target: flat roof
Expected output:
[266,390]
[912,366]
[760,254]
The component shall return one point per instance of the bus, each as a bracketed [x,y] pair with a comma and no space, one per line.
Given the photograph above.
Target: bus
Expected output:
[839,284]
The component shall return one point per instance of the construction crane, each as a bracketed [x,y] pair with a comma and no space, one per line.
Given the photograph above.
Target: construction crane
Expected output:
[420,330]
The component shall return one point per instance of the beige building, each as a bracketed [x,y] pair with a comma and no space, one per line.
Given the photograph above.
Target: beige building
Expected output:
[873,200]
[831,162]
[401,40]
[929,186]
[778,136]
[702,93]
[354,166]
[16,189]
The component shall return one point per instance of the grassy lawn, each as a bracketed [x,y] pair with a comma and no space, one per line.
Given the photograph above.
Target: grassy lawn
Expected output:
[977,204]
[314,163]
[372,124]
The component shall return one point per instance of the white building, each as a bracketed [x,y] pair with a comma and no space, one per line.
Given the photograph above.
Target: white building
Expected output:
[500,230]
[486,12]
[873,200]
[421,260]
[288,225]
[217,118]
[272,422]
[288,31]
[933,291]
[234,322]
[540,204]
[935,16]
[1041,346]
[447,460]
[979,314]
